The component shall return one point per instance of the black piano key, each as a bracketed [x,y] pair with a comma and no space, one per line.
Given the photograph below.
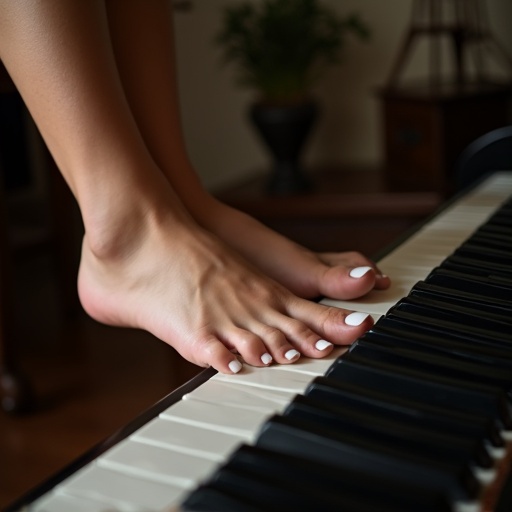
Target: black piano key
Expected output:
[337,481]
[281,491]
[501,217]
[455,318]
[489,397]
[439,419]
[439,364]
[424,337]
[487,403]
[411,439]
[467,262]
[463,295]
[493,232]
[485,252]
[500,243]
[496,320]
[207,498]
[423,289]
[479,286]
[439,326]
[460,358]
[473,267]
[298,437]
[495,229]
[273,495]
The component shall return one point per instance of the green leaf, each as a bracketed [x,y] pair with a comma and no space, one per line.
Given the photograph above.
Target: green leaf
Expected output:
[281,47]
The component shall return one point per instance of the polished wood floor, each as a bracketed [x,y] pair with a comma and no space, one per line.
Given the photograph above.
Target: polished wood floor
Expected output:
[89,380]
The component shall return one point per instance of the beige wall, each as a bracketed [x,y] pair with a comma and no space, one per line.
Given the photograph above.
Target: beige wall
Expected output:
[221,142]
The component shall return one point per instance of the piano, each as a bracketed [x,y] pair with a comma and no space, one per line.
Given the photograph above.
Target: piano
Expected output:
[416,415]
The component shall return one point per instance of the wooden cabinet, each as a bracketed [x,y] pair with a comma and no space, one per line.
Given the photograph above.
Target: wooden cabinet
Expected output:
[426,129]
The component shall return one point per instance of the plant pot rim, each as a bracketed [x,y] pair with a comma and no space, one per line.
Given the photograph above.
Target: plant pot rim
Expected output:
[298,104]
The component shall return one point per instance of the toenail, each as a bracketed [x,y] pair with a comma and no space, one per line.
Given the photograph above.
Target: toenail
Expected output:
[266,358]
[359,271]
[291,354]
[235,366]
[356,318]
[322,345]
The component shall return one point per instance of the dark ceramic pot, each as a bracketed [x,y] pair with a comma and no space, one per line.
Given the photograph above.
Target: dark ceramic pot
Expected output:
[284,130]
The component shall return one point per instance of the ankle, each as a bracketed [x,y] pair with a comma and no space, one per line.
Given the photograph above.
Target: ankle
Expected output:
[118,232]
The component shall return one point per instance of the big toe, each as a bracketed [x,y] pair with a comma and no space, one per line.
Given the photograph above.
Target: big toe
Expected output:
[346,283]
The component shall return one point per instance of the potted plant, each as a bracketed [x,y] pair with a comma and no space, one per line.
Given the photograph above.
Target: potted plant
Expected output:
[280,49]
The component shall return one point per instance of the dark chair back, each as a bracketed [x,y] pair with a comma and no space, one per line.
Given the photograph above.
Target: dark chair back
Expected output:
[489,152]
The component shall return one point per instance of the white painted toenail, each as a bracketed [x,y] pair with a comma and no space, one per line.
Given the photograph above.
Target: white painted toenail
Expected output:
[322,345]
[235,366]
[291,354]
[359,271]
[266,358]
[355,319]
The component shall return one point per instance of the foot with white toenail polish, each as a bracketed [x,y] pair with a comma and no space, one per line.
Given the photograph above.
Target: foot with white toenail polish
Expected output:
[356,318]
[235,366]
[359,271]
[292,355]
[266,359]
[322,345]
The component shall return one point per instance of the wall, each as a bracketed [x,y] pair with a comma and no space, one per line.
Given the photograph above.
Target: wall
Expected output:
[221,142]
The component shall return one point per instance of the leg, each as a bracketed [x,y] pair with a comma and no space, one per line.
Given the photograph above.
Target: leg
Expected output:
[143,45]
[145,262]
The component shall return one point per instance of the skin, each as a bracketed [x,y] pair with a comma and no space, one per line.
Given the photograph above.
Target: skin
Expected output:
[159,252]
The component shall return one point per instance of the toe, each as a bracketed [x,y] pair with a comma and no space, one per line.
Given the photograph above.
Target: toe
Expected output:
[335,325]
[212,352]
[382,281]
[250,346]
[303,340]
[277,343]
[346,283]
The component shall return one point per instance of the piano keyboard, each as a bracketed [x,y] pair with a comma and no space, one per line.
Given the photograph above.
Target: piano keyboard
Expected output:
[416,415]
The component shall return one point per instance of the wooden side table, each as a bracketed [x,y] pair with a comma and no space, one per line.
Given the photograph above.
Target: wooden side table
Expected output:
[425,129]
[348,209]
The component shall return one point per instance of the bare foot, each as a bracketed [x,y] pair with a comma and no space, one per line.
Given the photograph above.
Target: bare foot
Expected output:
[184,286]
[345,276]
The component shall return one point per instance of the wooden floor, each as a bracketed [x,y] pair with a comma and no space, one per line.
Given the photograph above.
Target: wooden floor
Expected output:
[89,380]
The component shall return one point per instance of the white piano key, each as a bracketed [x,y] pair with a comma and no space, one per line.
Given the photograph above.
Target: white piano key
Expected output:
[229,393]
[245,397]
[265,401]
[123,492]
[184,438]
[405,274]
[156,463]
[308,365]
[270,378]
[218,417]
[417,256]
[399,261]
[465,226]
[377,302]
[58,502]
[438,235]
